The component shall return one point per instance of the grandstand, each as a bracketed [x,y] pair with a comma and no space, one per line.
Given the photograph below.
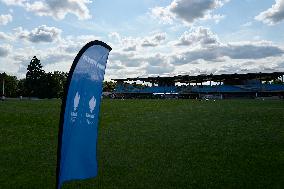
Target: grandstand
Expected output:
[251,85]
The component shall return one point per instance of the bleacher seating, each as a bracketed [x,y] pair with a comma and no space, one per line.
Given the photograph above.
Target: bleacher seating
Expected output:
[128,88]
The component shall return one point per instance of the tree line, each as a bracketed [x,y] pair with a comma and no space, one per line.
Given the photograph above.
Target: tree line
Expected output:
[39,83]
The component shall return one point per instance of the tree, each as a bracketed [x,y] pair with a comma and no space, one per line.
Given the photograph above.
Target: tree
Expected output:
[34,76]
[61,79]
[2,80]
[52,85]
[21,88]
[277,81]
[10,86]
[109,86]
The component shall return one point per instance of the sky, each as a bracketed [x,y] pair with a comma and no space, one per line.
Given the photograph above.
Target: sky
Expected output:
[148,37]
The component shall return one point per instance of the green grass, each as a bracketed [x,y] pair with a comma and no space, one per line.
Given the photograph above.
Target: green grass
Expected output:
[152,144]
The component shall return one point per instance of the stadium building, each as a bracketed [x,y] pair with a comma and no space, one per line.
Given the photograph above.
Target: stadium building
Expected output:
[224,86]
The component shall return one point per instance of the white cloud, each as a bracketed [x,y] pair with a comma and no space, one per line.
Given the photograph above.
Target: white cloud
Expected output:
[130,48]
[163,14]
[115,36]
[239,51]
[196,51]
[148,43]
[72,44]
[5,50]
[188,10]
[127,59]
[14,2]
[139,64]
[251,50]
[4,36]
[133,44]
[153,41]
[60,8]
[158,65]
[57,9]
[41,34]
[216,17]
[128,43]
[54,58]
[5,19]
[273,15]
[58,56]
[198,36]
[247,24]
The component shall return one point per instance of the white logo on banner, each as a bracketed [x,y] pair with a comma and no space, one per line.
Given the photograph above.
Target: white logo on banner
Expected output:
[92,104]
[76,104]
[76,101]
[90,116]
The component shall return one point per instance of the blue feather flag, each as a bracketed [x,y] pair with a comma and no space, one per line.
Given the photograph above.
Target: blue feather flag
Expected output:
[78,129]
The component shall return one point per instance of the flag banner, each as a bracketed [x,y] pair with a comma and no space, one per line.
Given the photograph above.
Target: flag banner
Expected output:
[78,130]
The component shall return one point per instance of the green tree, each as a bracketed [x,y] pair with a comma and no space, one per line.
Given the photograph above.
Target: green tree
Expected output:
[61,79]
[2,81]
[109,86]
[277,81]
[11,83]
[34,78]
[21,88]
[52,84]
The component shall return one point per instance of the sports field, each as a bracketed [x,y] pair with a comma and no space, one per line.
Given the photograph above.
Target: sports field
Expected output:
[152,144]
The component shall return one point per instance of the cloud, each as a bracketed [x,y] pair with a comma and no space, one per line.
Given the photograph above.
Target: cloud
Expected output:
[57,9]
[273,15]
[154,40]
[130,63]
[130,48]
[159,70]
[251,51]
[245,51]
[247,24]
[163,14]
[127,44]
[5,19]
[41,34]
[198,36]
[196,51]
[188,10]
[130,44]
[115,65]
[57,56]
[4,36]
[72,44]
[126,59]
[148,43]
[14,2]
[52,58]
[5,50]
[158,64]
[216,17]
[60,8]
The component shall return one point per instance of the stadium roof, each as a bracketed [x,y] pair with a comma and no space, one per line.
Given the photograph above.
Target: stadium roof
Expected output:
[205,77]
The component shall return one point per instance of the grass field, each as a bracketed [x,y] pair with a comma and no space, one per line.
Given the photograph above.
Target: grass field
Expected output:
[152,144]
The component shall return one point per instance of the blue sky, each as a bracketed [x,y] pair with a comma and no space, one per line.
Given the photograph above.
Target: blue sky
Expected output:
[148,37]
